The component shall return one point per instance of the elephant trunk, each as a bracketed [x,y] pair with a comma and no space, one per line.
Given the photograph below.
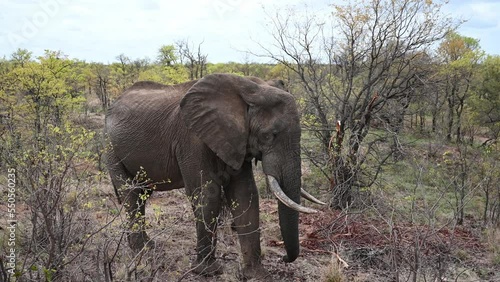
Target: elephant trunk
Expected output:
[289,225]
[286,175]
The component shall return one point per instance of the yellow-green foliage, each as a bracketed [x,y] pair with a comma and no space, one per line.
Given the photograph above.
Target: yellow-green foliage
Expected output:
[50,154]
[165,74]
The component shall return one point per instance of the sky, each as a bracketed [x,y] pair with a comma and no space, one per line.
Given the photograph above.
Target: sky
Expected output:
[100,30]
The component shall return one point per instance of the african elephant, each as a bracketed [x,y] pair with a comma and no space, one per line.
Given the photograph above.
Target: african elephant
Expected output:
[203,135]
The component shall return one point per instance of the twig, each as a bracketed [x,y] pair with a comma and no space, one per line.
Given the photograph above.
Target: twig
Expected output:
[344,263]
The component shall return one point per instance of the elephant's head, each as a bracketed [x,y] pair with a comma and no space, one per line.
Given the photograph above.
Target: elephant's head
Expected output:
[240,119]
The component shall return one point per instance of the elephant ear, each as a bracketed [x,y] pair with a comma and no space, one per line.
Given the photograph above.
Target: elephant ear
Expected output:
[215,112]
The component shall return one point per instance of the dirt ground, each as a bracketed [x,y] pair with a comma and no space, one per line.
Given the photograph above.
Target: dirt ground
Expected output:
[360,245]
[172,209]
[356,243]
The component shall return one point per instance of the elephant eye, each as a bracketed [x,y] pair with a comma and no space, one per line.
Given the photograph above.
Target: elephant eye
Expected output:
[267,137]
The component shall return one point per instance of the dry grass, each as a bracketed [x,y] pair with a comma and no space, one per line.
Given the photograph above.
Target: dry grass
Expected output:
[492,238]
[333,272]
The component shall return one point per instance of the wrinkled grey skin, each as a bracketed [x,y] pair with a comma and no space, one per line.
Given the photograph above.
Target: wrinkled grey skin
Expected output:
[203,135]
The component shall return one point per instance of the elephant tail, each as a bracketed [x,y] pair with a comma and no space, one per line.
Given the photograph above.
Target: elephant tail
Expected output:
[117,193]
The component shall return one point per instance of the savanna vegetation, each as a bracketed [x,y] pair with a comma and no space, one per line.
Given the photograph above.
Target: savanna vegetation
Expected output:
[400,119]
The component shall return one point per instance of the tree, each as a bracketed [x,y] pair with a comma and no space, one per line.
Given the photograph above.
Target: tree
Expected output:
[194,60]
[21,56]
[124,72]
[347,77]
[485,102]
[166,55]
[461,56]
[44,147]
[102,84]
[43,85]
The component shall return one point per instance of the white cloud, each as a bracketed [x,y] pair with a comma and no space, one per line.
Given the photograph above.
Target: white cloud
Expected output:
[99,30]
[482,22]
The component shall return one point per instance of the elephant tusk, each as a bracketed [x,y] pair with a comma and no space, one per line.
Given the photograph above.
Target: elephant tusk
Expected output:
[278,192]
[310,197]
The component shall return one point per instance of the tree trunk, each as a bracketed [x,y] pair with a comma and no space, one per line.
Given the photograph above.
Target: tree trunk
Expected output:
[450,122]
[434,122]
[422,121]
[486,204]
[342,185]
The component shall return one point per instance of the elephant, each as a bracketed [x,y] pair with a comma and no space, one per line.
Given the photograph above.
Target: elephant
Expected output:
[203,135]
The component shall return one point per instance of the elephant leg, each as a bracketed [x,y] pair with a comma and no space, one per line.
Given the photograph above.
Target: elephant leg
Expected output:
[133,200]
[206,202]
[243,200]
